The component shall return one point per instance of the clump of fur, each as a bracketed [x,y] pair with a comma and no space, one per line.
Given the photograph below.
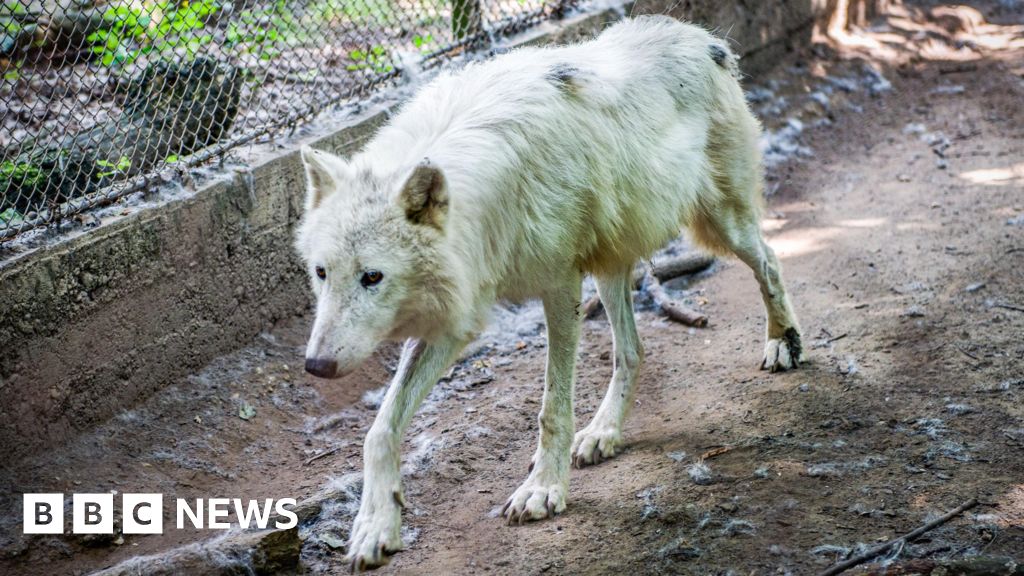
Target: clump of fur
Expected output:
[700,473]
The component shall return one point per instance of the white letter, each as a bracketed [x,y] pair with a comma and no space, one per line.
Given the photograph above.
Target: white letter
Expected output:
[282,511]
[218,509]
[92,513]
[43,514]
[142,513]
[262,516]
[184,508]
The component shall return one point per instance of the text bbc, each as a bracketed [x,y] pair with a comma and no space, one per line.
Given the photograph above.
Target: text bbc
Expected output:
[144,513]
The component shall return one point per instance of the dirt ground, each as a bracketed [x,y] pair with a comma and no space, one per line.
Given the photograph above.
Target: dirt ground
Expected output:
[898,214]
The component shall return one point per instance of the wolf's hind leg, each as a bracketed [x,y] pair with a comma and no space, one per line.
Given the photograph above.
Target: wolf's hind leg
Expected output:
[783,349]
[601,438]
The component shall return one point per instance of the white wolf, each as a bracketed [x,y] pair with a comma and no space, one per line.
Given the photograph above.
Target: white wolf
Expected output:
[512,179]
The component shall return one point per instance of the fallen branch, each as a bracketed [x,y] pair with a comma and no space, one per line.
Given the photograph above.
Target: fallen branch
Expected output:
[672,308]
[663,270]
[1010,307]
[669,268]
[591,308]
[909,536]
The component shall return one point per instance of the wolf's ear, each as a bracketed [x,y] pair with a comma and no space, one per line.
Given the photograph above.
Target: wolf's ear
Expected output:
[425,195]
[320,179]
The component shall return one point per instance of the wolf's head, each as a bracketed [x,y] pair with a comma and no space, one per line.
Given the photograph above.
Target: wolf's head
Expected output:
[370,245]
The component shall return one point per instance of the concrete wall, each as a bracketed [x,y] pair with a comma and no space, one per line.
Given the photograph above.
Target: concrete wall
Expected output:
[760,30]
[92,324]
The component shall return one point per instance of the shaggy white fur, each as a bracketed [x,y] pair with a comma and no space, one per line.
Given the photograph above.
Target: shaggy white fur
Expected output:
[512,179]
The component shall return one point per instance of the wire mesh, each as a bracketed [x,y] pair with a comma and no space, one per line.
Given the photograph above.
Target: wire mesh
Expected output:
[101,99]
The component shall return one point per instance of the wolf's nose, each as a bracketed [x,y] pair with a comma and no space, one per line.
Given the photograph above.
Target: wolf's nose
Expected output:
[321,367]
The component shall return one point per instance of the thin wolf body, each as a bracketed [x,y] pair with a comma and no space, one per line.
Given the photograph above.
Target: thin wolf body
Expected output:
[512,179]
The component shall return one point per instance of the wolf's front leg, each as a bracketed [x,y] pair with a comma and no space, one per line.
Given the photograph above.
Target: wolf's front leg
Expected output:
[376,530]
[544,491]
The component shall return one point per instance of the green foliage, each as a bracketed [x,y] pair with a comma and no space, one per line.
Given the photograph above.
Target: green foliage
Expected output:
[116,43]
[122,165]
[422,43]
[13,72]
[20,178]
[172,28]
[355,11]
[266,30]
[26,175]
[375,59]
[10,216]
[15,7]
[9,26]
[161,27]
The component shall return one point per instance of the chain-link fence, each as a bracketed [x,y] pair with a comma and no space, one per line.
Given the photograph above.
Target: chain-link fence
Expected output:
[102,99]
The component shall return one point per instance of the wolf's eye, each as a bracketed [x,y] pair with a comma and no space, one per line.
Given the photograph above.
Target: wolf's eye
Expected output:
[320,272]
[371,278]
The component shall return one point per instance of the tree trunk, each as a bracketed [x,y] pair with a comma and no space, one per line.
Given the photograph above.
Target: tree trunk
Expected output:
[839,15]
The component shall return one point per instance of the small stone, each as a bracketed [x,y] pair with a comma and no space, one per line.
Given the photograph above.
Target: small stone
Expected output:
[913,312]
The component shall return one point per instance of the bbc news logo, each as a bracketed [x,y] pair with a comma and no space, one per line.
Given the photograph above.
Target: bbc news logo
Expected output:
[144,513]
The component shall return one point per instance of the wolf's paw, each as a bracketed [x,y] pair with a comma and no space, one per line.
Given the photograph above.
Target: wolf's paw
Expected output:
[595,443]
[783,353]
[375,533]
[534,500]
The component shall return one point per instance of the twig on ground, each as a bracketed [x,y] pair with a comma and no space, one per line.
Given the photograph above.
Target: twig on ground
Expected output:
[1010,307]
[716,451]
[321,455]
[966,353]
[909,536]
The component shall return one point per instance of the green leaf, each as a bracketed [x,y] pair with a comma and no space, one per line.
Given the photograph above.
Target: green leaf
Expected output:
[246,411]
[10,216]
